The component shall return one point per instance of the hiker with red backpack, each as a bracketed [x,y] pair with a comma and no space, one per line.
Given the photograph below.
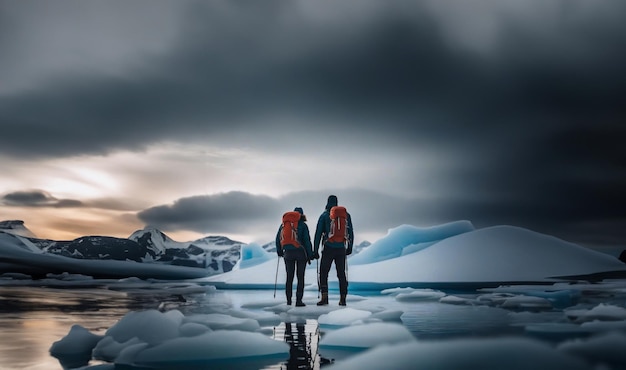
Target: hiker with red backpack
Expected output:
[334,231]
[293,242]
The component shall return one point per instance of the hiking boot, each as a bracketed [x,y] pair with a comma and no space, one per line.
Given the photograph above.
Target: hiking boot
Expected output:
[288,301]
[300,304]
[342,300]
[324,300]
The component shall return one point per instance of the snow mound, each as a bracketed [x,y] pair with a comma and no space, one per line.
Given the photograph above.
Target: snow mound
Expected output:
[483,257]
[343,317]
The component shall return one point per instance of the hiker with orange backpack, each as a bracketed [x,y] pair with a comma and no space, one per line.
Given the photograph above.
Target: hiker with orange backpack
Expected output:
[293,242]
[334,231]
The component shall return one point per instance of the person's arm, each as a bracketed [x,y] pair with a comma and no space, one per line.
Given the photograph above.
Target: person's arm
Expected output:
[319,230]
[279,249]
[305,237]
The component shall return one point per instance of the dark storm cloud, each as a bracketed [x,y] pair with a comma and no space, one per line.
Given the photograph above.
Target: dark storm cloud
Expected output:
[390,72]
[533,122]
[37,198]
[241,212]
[227,212]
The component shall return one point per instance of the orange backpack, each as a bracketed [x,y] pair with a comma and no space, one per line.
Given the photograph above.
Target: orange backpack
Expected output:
[289,233]
[338,225]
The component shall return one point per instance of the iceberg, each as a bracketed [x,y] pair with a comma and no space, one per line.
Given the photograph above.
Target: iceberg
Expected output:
[407,239]
[485,257]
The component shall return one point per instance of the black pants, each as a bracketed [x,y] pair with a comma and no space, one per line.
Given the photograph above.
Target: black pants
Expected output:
[295,260]
[330,255]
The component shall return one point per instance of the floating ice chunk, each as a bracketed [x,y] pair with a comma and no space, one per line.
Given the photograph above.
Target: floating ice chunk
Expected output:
[78,341]
[526,302]
[603,312]
[218,321]
[128,354]
[152,326]
[367,336]
[420,295]
[108,349]
[264,319]
[191,329]
[494,299]
[452,299]
[604,326]
[221,348]
[561,295]
[486,354]
[604,348]
[396,291]
[387,315]
[343,317]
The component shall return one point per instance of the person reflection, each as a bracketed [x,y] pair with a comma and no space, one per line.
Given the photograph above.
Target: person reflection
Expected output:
[300,349]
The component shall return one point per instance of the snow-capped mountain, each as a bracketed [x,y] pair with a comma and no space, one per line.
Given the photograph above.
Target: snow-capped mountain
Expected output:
[216,253]
[99,247]
[155,241]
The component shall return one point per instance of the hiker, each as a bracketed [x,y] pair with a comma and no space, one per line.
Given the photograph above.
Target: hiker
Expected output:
[337,241]
[293,242]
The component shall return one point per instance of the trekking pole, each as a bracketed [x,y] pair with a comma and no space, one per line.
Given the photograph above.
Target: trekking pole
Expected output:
[346,262]
[317,265]
[276,278]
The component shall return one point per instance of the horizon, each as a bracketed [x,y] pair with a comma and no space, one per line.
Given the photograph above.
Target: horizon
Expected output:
[215,118]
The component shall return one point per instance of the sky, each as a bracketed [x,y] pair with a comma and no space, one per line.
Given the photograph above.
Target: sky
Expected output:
[213,118]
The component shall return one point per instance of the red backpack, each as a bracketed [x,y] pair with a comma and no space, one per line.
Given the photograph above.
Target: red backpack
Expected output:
[289,233]
[338,225]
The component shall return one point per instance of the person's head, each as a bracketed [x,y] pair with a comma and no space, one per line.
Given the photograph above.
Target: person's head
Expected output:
[301,211]
[332,201]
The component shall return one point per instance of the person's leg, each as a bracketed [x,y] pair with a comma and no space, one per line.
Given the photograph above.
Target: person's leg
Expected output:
[340,265]
[327,261]
[290,266]
[300,269]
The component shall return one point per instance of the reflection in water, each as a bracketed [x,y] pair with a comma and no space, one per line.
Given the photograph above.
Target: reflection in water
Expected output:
[302,338]
[32,318]
[300,349]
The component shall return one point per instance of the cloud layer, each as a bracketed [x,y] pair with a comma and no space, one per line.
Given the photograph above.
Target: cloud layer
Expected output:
[498,112]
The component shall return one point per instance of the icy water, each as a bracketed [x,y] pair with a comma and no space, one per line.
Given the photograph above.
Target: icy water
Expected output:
[33,318]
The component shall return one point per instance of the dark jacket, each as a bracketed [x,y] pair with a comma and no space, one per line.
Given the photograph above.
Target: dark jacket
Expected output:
[303,237]
[323,229]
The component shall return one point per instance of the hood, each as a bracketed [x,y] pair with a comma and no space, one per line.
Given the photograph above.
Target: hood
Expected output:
[332,201]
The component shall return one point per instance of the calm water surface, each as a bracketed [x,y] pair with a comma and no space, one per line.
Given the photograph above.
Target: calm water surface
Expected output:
[33,318]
